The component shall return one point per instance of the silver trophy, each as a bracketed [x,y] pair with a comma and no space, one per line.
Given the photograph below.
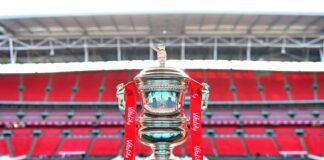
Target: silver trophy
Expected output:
[162,124]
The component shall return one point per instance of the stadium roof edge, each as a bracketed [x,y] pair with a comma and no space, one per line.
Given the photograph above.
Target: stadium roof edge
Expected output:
[183,64]
[47,8]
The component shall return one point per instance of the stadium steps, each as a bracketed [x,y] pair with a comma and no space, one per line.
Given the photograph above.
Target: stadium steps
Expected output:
[32,146]
[276,143]
[75,88]
[315,86]
[102,85]
[90,145]
[303,143]
[287,86]
[21,87]
[260,86]
[233,88]
[245,146]
[120,151]
[59,146]
[48,86]
[11,152]
[214,146]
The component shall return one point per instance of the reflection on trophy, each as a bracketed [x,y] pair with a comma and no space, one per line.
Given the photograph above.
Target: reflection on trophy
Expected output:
[162,124]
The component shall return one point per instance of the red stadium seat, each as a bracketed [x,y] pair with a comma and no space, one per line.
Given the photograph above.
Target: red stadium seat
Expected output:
[9,87]
[89,85]
[230,146]
[225,130]
[62,84]
[51,131]
[220,86]
[284,130]
[3,147]
[314,130]
[34,86]
[110,130]
[21,144]
[246,86]
[208,146]
[261,146]
[197,75]
[22,131]
[74,144]
[289,143]
[274,86]
[46,145]
[254,130]
[301,85]
[75,131]
[113,78]
[105,147]
[315,144]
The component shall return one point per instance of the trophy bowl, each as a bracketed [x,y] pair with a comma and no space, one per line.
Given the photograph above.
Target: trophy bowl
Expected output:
[162,125]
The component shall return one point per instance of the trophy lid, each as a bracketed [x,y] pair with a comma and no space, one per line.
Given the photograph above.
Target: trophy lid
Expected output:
[161,71]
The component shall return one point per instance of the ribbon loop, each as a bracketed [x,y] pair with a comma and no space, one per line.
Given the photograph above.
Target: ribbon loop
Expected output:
[130,135]
[195,119]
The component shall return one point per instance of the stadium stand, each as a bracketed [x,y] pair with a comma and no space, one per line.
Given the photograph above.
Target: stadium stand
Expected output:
[89,91]
[9,85]
[231,85]
[230,146]
[3,147]
[61,87]
[301,85]
[219,81]
[103,146]
[34,86]
[246,86]
[273,86]
[268,147]
[237,131]
[71,145]
[46,144]
[313,143]
[112,79]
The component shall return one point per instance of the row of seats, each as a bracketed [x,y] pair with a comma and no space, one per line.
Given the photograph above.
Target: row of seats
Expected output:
[108,116]
[51,143]
[101,86]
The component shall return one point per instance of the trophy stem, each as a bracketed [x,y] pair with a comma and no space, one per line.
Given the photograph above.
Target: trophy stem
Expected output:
[162,151]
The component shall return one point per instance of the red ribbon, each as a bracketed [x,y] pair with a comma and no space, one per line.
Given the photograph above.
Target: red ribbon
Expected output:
[130,122]
[195,120]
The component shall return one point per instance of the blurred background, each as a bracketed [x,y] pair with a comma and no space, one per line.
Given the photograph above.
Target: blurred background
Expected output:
[62,60]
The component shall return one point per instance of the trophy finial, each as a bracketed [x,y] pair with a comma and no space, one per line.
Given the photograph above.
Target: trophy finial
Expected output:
[161,53]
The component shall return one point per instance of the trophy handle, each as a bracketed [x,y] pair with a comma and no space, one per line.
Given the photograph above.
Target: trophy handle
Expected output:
[205,96]
[120,93]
